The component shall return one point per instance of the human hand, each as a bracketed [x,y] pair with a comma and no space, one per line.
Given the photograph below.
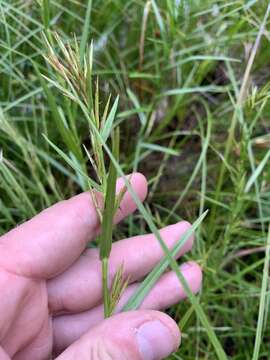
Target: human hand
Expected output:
[51,289]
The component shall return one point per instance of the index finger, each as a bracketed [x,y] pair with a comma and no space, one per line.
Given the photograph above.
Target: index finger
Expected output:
[50,242]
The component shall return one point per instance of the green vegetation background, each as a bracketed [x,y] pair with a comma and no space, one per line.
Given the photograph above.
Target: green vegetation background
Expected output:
[194,118]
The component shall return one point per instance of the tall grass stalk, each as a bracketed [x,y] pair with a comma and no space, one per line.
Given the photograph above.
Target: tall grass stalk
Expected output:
[79,94]
[46,14]
[76,75]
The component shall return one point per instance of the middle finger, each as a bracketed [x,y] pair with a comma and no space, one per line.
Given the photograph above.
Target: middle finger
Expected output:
[80,287]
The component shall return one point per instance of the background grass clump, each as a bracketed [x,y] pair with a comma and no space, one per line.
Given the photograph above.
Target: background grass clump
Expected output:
[193,85]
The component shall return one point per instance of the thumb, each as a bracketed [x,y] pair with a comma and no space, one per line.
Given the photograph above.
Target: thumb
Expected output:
[134,335]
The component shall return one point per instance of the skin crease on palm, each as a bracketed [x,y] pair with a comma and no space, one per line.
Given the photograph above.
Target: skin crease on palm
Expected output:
[51,292]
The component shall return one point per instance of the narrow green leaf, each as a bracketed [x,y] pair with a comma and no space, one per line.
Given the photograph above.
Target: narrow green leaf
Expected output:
[196,89]
[142,75]
[108,124]
[15,190]
[137,105]
[155,147]
[262,307]
[85,30]
[75,166]
[96,111]
[65,133]
[89,67]
[105,112]
[105,239]
[194,58]
[46,13]
[158,17]
[136,299]
[257,171]
[108,213]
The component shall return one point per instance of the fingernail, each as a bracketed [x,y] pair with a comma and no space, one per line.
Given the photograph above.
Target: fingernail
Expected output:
[155,340]
[186,266]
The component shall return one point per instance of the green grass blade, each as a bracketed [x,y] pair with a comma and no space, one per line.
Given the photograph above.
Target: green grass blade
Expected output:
[108,123]
[158,17]
[258,339]
[66,134]
[135,301]
[196,89]
[86,26]
[155,147]
[109,207]
[105,238]
[257,172]
[15,190]
[75,166]
[46,13]
[136,103]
